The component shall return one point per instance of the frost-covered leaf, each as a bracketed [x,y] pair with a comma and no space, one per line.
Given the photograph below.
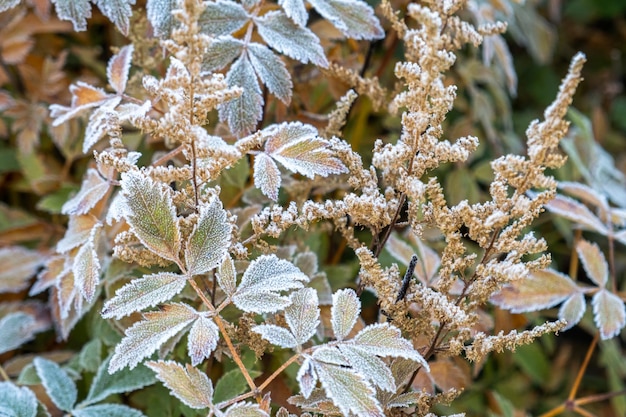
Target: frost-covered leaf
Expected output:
[221,52]
[86,267]
[147,291]
[99,123]
[385,340]
[245,410]
[118,12]
[303,314]
[344,312]
[298,148]
[187,384]
[222,17]
[202,339]
[118,67]
[266,175]
[572,310]
[107,410]
[20,401]
[348,390]
[307,378]
[151,214]
[539,290]
[276,335]
[586,194]
[593,261]
[84,96]
[16,329]
[67,291]
[243,113]
[271,70]
[369,366]
[77,233]
[8,4]
[146,336]
[160,15]
[609,313]
[18,266]
[577,213]
[126,380]
[286,37]
[209,240]
[227,275]
[131,111]
[296,10]
[59,386]
[354,18]
[76,11]
[261,284]
[93,188]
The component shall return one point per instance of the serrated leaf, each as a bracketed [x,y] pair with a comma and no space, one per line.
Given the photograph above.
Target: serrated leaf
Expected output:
[21,401]
[146,336]
[8,4]
[285,36]
[296,10]
[303,314]
[593,261]
[107,410]
[76,11]
[609,313]
[271,70]
[99,123]
[209,240]
[242,113]
[307,378]
[298,148]
[264,279]
[118,12]
[118,67]
[19,265]
[348,390]
[344,312]
[539,290]
[385,340]
[59,386]
[151,214]
[266,175]
[369,366]
[353,18]
[90,355]
[77,233]
[187,384]
[227,275]
[202,339]
[221,52]
[330,354]
[16,329]
[126,380]
[222,17]
[92,189]
[276,335]
[160,15]
[229,385]
[586,194]
[245,410]
[86,267]
[67,290]
[576,212]
[144,292]
[572,310]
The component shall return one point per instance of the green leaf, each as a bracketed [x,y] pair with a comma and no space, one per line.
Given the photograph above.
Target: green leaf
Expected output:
[53,203]
[151,214]
[160,16]
[303,314]
[354,18]
[245,410]
[126,380]
[187,384]
[59,386]
[107,410]
[222,17]
[533,361]
[16,329]
[231,384]
[90,355]
[76,11]
[344,312]
[271,70]
[209,240]
[16,401]
[221,52]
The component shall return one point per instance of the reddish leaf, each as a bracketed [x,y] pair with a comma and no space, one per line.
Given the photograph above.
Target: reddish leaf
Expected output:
[593,261]
[117,69]
[19,265]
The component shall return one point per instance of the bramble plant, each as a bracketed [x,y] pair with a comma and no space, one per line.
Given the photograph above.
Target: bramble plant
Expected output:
[193,250]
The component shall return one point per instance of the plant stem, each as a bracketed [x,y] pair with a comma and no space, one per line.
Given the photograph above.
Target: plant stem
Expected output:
[583,368]
[4,375]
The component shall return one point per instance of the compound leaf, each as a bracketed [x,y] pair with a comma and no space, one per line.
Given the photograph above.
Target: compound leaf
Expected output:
[286,37]
[59,386]
[609,313]
[262,282]
[576,212]
[296,10]
[222,17]
[303,314]
[209,240]
[147,291]
[187,384]
[354,18]
[221,52]
[385,340]
[146,336]
[271,70]
[344,312]
[151,214]
[202,339]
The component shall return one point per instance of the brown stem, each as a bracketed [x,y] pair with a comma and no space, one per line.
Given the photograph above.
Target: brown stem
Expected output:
[278,371]
[168,155]
[583,368]
[194,163]
[4,374]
